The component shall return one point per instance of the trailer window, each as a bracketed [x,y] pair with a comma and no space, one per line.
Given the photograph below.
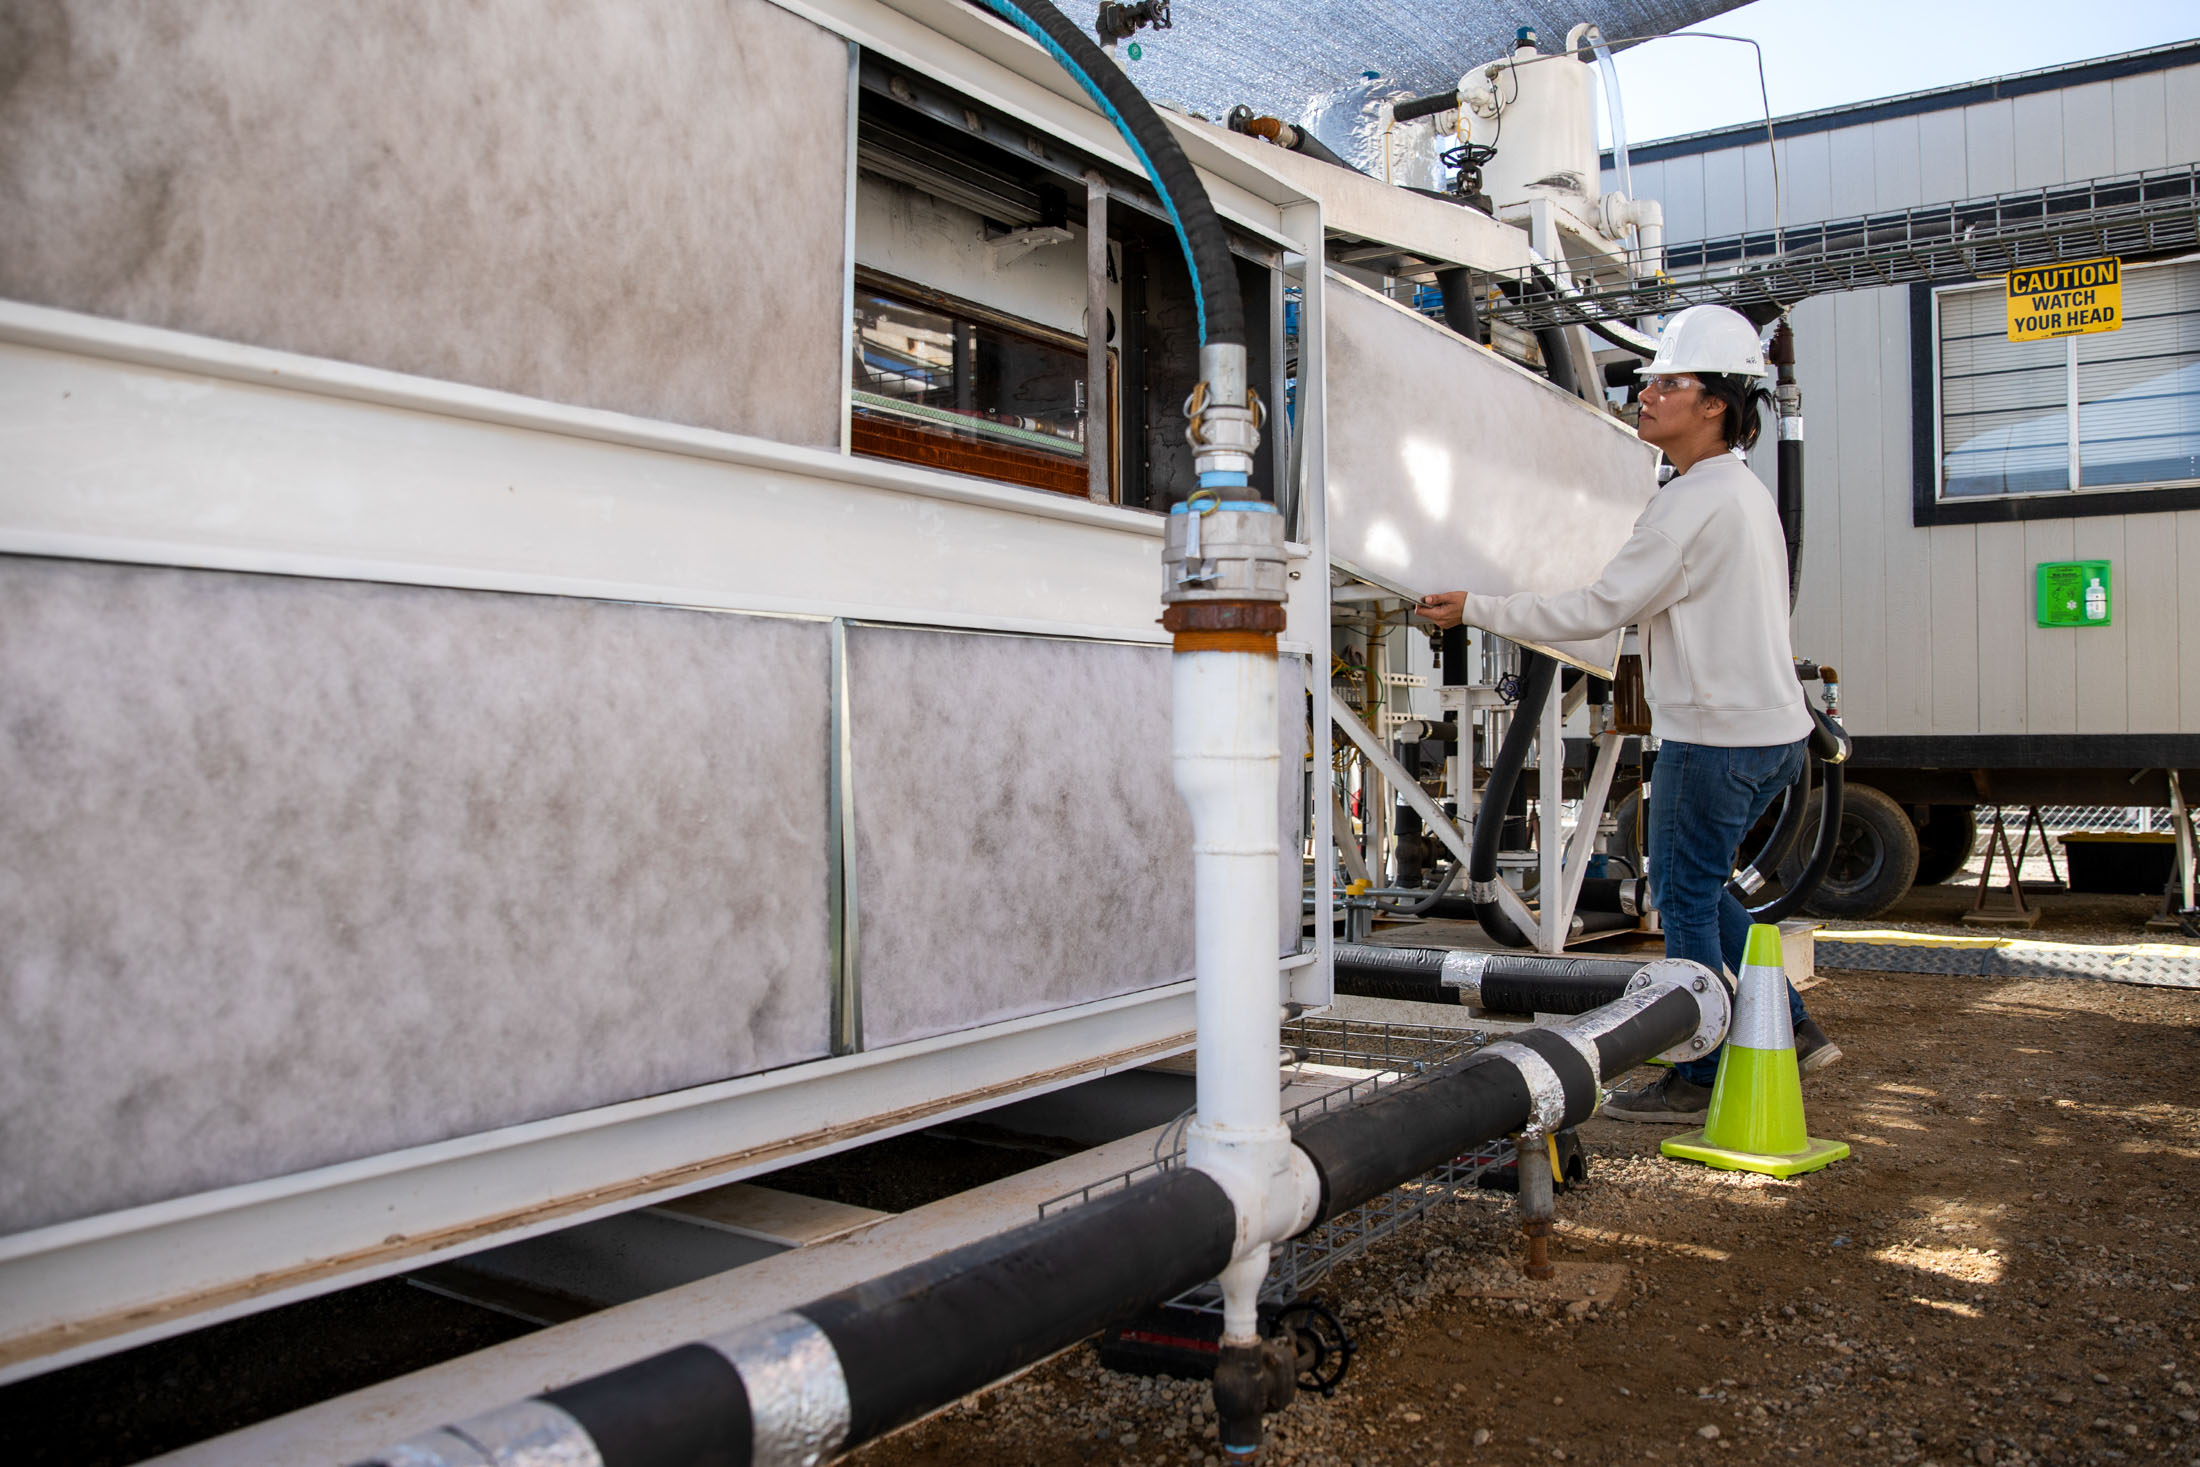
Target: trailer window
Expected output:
[939,382]
[2115,410]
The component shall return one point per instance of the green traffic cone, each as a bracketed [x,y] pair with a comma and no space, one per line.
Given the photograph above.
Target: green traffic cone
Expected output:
[1755,1123]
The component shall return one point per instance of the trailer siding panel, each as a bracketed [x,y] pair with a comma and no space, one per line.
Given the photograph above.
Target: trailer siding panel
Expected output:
[2101,652]
[2142,128]
[1757,181]
[2003,590]
[1808,166]
[1683,199]
[1817,621]
[2089,131]
[1942,173]
[1991,151]
[2050,653]
[2188,617]
[1862,529]
[1854,180]
[1955,629]
[2147,595]
[2037,139]
[2181,110]
[1897,164]
[1906,556]
[1725,204]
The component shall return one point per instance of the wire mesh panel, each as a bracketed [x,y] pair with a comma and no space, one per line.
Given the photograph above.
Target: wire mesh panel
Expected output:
[1387,1054]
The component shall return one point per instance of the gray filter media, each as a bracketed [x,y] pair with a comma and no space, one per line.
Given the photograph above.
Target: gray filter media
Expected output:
[301,871]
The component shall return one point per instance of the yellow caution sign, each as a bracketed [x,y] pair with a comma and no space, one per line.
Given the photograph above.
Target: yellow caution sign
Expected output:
[2076,299]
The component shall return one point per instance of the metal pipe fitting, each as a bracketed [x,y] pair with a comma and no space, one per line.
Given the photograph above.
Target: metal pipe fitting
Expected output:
[1538,1206]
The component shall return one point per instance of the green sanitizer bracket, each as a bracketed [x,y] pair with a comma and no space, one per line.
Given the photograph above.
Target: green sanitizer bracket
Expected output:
[2073,593]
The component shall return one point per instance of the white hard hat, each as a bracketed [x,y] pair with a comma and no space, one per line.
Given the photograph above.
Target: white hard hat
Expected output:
[1708,339]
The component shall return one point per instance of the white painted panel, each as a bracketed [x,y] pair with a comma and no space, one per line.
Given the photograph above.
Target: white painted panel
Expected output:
[2181,111]
[1954,630]
[1450,468]
[1683,197]
[2102,652]
[1725,205]
[1942,177]
[1906,553]
[1856,435]
[308,871]
[251,460]
[1989,131]
[2050,653]
[2142,128]
[1897,164]
[1806,167]
[2188,617]
[2089,131]
[2004,615]
[2037,139]
[1853,178]
[2148,592]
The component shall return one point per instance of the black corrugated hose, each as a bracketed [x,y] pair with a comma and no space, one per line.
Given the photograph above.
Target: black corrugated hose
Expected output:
[1222,312]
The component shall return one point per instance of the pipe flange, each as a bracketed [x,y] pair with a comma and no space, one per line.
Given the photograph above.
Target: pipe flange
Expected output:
[1714,1003]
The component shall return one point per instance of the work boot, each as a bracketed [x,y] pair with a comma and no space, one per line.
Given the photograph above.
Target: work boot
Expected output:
[1813,1050]
[1667,1100]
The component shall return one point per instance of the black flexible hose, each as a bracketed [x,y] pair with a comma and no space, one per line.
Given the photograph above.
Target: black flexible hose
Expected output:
[1460,315]
[1413,109]
[1305,142]
[1765,863]
[1222,312]
[1537,673]
[1558,352]
[1821,856]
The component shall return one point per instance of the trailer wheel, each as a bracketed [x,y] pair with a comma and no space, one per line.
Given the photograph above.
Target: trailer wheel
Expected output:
[1945,841]
[1874,862]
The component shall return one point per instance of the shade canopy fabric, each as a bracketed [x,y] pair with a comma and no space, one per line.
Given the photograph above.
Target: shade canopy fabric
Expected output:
[1275,55]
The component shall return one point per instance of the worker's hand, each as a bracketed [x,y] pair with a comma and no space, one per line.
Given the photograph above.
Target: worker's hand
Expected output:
[1442,607]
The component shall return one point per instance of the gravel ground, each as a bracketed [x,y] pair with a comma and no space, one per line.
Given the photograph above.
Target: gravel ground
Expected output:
[2002,1274]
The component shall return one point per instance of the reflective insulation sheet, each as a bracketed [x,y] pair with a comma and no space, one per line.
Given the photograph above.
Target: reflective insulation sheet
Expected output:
[1019,842]
[1452,469]
[1274,55]
[637,206]
[300,871]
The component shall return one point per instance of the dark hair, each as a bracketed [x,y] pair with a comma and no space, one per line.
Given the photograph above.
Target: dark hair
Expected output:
[1745,403]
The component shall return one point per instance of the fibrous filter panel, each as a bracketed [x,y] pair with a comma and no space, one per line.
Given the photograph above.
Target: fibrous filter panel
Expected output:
[1451,469]
[1020,844]
[300,871]
[637,206]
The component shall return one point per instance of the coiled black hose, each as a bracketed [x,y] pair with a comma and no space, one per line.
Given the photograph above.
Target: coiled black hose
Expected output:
[1537,673]
[1214,276]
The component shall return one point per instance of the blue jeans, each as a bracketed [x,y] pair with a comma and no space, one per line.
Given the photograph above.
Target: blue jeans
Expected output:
[1703,801]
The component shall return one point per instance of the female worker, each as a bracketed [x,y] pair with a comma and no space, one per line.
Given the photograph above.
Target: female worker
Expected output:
[1705,573]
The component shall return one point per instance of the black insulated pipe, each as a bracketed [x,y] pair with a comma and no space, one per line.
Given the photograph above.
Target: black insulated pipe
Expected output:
[1501,983]
[1413,109]
[1457,288]
[1204,239]
[1788,397]
[1536,675]
[1364,1151]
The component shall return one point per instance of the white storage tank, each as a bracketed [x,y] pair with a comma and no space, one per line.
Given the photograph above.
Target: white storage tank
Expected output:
[1538,110]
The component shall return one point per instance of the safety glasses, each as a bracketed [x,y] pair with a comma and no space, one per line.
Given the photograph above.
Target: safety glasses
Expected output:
[1669,384]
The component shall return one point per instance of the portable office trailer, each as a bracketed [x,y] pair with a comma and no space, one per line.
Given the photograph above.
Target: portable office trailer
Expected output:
[1947,464]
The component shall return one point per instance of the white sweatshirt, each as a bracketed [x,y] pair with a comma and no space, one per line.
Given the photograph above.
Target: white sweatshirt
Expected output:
[1706,574]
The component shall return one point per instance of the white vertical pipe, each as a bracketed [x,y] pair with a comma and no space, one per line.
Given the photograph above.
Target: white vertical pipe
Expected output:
[1550,759]
[1224,749]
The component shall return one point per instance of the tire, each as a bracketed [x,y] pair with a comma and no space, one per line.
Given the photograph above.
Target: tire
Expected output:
[1874,863]
[1629,836]
[1945,841]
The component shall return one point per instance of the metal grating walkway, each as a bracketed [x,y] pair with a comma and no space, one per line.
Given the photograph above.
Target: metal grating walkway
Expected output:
[2135,215]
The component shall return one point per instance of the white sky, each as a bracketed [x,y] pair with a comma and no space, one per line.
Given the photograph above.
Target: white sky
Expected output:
[1825,53]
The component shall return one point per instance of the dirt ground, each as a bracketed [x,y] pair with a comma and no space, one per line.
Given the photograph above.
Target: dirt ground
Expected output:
[2002,1273]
